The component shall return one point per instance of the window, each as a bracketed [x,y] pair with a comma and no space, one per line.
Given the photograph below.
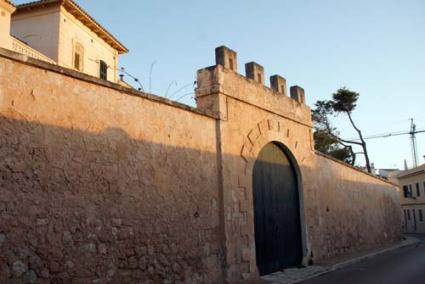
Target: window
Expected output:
[103,70]
[421,216]
[418,191]
[78,57]
[408,214]
[405,191]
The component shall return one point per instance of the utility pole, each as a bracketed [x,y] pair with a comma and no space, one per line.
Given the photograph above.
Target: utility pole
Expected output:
[413,143]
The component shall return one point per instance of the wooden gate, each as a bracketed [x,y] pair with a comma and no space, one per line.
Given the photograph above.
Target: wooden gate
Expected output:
[276,211]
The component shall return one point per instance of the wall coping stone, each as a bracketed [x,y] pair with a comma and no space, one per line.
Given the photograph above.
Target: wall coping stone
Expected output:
[24,59]
[318,153]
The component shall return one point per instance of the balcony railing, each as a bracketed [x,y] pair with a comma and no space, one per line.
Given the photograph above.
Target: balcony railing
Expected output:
[23,48]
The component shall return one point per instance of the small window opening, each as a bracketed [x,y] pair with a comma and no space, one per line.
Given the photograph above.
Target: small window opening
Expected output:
[78,57]
[421,216]
[77,61]
[259,78]
[231,64]
[405,191]
[103,70]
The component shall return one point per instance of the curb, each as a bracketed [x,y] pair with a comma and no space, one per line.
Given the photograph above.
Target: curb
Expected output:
[321,270]
[407,242]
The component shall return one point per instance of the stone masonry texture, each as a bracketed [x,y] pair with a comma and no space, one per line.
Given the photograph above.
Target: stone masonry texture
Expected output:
[100,184]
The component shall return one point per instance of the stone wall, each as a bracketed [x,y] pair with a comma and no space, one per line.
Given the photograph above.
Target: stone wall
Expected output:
[343,209]
[348,210]
[101,183]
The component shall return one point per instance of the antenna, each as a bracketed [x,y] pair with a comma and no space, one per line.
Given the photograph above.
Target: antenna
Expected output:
[150,76]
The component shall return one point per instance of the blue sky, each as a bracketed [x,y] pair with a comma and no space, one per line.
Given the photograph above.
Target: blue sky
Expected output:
[374,47]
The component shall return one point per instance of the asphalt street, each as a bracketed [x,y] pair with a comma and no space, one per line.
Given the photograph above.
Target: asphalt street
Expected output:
[404,265]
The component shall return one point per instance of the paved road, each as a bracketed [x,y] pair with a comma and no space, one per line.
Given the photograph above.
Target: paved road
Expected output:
[405,265]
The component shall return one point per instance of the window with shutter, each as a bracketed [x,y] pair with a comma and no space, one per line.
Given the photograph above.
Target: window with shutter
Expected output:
[103,72]
[78,57]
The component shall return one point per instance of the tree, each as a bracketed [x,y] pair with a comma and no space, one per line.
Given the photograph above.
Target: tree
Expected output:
[327,144]
[326,137]
[343,101]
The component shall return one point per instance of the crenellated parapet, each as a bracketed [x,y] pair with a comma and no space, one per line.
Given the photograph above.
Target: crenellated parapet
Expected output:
[223,80]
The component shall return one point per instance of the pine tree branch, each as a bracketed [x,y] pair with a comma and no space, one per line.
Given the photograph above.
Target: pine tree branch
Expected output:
[363,142]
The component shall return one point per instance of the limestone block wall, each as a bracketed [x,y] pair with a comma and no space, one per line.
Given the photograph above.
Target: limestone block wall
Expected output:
[99,184]
[348,210]
[342,209]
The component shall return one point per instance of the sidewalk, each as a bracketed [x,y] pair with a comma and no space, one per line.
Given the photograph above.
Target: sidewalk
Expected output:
[295,275]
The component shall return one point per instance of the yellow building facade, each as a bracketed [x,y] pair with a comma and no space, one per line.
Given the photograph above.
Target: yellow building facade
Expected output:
[412,185]
[61,32]
[6,10]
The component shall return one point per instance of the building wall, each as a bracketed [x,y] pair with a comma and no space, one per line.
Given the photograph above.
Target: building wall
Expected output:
[95,48]
[5,15]
[413,205]
[39,29]
[103,183]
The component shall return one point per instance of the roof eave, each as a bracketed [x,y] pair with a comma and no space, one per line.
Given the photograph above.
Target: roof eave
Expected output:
[81,15]
[76,10]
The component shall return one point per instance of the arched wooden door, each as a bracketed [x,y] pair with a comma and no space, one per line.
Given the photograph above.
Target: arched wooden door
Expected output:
[276,211]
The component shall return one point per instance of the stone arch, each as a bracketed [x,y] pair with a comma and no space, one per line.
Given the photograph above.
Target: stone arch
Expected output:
[281,133]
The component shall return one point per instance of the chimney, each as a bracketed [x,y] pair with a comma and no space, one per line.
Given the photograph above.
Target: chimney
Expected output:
[297,93]
[227,58]
[255,71]
[278,84]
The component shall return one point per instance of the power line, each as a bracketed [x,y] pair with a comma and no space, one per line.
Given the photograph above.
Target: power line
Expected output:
[412,132]
[387,135]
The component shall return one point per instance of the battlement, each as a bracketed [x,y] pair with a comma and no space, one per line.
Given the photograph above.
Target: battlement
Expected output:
[223,79]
